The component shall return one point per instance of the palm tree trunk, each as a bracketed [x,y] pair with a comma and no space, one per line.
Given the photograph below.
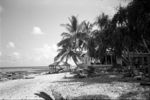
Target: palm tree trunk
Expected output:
[130,63]
[66,60]
[68,67]
[76,63]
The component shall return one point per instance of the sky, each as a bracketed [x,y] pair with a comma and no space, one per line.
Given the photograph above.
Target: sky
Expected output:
[30,29]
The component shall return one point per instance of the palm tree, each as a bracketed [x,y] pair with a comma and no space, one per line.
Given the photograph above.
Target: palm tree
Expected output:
[65,53]
[83,36]
[99,37]
[72,30]
[68,43]
[102,21]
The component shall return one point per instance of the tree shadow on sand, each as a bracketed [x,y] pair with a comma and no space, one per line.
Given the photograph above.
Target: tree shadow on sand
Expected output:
[132,95]
[57,96]
[103,78]
[135,95]
[90,97]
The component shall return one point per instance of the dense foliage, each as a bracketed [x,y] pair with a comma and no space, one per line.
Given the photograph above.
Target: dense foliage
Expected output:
[128,31]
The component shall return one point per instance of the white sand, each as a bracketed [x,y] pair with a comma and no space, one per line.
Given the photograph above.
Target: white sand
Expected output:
[72,88]
[26,88]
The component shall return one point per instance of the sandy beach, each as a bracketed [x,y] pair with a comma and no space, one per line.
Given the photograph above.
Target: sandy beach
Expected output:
[38,86]
[26,88]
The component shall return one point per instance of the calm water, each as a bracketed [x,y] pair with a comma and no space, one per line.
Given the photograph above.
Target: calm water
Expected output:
[24,69]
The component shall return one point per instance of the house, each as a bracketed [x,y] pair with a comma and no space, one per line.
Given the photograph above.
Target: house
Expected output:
[58,66]
[52,67]
[107,61]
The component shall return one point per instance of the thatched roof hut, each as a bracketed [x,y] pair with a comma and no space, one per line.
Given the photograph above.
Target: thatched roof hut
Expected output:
[56,66]
[52,67]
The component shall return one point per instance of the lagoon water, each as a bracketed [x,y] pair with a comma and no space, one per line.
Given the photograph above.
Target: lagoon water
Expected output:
[11,73]
[24,69]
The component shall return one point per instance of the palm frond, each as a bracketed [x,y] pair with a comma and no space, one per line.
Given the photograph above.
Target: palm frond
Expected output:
[102,20]
[60,54]
[81,26]
[68,27]
[65,35]
[65,41]
[74,23]
[65,55]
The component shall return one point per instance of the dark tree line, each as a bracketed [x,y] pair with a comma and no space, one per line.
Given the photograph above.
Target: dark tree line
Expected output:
[128,31]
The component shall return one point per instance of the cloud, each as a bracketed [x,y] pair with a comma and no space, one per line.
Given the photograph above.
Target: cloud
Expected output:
[11,45]
[16,55]
[46,52]
[37,31]
[45,55]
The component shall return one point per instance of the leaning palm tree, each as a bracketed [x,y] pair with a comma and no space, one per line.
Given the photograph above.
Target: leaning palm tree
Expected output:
[65,53]
[78,33]
[68,43]
[72,29]
[74,41]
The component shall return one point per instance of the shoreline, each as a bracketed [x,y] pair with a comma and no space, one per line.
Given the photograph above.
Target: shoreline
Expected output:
[15,75]
[26,88]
